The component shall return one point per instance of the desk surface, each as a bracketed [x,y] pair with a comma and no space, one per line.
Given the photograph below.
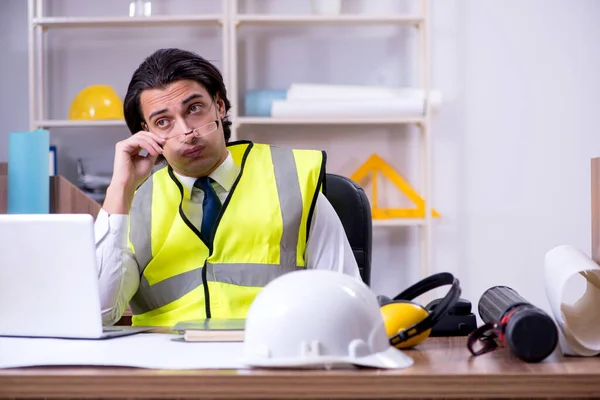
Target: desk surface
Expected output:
[443,369]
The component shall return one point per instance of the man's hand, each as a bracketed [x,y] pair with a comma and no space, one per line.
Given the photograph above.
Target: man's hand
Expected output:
[131,169]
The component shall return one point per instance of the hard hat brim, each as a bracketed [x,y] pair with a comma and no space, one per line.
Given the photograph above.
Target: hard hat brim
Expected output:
[391,358]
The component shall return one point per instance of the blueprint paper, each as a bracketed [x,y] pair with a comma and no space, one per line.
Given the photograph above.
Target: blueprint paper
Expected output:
[144,350]
[578,322]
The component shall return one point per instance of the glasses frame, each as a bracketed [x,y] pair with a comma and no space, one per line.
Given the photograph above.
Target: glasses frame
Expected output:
[195,132]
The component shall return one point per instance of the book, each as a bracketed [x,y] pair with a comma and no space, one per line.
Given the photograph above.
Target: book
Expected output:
[212,330]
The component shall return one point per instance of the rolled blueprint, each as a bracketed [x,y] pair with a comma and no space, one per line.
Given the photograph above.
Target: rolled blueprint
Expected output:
[347,109]
[258,102]
[28,172]
[578,322]
[332,92]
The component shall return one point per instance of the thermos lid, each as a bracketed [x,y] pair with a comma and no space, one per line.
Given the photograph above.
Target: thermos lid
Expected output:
[531,335]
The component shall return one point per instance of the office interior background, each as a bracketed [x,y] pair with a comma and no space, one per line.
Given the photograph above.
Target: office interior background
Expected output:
[511,141]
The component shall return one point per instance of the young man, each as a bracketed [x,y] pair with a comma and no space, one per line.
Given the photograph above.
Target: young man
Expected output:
[202,235]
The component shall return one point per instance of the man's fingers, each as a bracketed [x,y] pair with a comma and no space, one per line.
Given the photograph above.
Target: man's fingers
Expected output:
[158,139]
[151,142]
[135,143]
[150,158]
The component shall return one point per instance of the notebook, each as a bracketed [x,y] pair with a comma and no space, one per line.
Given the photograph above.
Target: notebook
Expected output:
[212,330]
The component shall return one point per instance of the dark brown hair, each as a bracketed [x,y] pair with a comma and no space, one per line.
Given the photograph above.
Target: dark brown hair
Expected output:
[164,67]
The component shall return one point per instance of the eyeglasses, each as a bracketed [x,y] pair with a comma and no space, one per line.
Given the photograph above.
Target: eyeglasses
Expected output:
[197,132]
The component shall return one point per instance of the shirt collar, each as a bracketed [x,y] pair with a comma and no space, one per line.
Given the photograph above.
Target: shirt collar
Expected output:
[225,175]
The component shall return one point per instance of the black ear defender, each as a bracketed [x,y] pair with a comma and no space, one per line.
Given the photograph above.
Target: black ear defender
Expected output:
[458,321]
[408,323]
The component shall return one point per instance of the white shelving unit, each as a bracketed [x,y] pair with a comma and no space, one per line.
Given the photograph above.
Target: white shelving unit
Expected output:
[158,20]
[420,22]
[326,121]
[39,23]
[320,19]
[230,20]
[65,123]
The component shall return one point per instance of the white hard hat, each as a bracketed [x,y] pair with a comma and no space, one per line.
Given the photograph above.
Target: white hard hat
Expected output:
[318,318]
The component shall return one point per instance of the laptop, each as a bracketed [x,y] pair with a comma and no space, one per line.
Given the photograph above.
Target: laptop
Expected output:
[49,278]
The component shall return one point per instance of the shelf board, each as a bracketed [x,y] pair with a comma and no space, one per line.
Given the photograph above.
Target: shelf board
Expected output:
[157,20]
[326,19]
[247,121]
[381,223]
[57,123]
[327,121]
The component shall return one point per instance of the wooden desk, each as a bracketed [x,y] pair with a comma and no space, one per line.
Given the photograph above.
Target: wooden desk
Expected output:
[443,369]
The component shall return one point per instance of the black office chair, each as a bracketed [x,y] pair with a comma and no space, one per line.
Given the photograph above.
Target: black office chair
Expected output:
[354,210]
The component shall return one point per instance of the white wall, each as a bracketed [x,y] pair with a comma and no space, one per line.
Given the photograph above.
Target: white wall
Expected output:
[530,73]
[512,143]
[13,71]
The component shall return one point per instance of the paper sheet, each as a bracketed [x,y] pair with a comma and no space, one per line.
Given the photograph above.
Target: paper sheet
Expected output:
[332,92]
[347,108]
[145,350]
[578,322]
[339,101]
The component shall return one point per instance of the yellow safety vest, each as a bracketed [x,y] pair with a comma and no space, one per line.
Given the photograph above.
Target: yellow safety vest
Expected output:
[261,234]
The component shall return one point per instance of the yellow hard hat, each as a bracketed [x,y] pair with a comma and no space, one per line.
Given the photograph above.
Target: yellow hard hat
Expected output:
[96,102]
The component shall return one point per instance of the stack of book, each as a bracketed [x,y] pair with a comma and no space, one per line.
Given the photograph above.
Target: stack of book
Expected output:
[212,330]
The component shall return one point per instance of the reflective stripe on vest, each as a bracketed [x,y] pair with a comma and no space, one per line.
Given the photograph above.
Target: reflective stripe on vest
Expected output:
[290,200]
[151,297]
[140,224]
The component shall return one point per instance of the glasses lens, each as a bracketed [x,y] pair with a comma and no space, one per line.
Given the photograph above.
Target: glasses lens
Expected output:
[205,130]
[199,132]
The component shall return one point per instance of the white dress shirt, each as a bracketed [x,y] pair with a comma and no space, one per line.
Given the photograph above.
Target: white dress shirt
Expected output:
[327,246]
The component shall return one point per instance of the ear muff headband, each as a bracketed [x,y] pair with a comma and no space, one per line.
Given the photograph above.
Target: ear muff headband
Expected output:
[421,287]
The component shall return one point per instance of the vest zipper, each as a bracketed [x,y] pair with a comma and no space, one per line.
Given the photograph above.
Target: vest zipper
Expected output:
[205,287]
[213,233]
[209,245]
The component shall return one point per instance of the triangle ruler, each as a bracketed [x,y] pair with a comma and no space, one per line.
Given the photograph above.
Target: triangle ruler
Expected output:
[375,165]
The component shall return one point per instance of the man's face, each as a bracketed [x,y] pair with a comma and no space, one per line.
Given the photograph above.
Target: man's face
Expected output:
[173,113]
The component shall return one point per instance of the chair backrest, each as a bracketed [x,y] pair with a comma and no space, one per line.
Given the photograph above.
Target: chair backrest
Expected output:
[352,207]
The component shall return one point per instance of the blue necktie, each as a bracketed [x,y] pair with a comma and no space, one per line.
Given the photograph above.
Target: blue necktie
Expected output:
[211,205]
